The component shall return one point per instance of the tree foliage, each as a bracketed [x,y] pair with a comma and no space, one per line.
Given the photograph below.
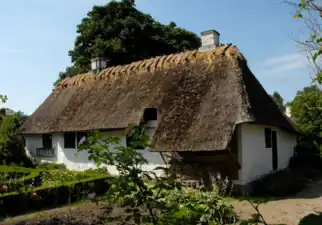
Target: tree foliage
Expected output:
[310,12]
[122,34]
[306,110]
[278,99]
[11,140]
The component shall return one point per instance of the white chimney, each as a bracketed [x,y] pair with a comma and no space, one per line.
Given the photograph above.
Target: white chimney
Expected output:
[209,40]
[98,64]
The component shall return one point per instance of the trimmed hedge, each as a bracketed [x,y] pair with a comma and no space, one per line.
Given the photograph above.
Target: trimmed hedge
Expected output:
[45,197]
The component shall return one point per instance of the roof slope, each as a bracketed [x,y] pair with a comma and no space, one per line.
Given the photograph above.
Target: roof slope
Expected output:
[200,97]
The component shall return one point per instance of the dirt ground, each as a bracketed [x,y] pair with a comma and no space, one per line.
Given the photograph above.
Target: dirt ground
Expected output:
[289,211]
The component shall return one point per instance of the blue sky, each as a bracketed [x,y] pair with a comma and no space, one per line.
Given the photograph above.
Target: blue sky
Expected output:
[36,36]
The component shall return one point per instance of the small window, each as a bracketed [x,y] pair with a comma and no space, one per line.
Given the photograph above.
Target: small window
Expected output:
[47,141]
[69,140]
[268,138]
[80,135]
[150,114]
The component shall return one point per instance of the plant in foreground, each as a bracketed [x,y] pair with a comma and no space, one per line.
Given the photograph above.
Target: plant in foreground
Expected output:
[150,199]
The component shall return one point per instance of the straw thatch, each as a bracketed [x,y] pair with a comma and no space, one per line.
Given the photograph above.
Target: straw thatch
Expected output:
[200,98]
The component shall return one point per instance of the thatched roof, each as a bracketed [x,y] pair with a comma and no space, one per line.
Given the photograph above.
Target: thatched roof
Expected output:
[200,98]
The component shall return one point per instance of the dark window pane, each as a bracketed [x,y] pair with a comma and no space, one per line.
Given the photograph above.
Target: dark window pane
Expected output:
[46,141]
[268,138]
[150,114]
[69,140]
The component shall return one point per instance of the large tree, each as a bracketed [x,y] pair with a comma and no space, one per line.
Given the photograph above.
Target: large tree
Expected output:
[122,34]
[278,99]
[306,110]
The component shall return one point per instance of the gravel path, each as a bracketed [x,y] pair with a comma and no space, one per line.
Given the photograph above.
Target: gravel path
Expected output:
[287,211]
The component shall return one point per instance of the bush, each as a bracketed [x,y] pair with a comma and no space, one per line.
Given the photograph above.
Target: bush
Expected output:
[306,155]
[50,197]
[101,170]
[35,189]
[51,166]
[281,183]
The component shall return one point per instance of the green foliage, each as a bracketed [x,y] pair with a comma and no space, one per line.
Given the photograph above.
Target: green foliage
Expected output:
[51,166]
[148,198]
[120,33]
[3,98]
[101,170]
[306,110]
[310,12]
[136,137]
[279,101]
[11,141]
[36,189]
[307,155]
[279,184]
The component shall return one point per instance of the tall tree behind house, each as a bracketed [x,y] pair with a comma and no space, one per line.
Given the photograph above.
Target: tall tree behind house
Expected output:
[122,34]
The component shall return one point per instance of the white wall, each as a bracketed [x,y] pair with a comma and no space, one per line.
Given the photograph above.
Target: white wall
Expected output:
[75,160]
[255,158]
[35,141]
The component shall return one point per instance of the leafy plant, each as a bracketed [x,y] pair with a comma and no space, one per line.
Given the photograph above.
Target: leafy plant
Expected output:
[148,198]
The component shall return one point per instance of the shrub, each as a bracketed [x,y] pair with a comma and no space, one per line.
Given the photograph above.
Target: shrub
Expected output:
[148,198]
[51,166]
[101,170]
[281,183]
[306,155]
[48,196]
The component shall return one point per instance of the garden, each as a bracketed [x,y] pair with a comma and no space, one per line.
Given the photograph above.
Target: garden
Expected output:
[43,188]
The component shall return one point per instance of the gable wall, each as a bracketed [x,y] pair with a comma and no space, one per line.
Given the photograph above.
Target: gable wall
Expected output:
[255,158]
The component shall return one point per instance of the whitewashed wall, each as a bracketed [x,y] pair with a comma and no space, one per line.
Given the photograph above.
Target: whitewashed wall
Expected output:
[75,160]
[255,158]
[35,141]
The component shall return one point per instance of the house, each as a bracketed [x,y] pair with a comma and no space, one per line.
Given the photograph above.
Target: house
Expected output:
[204,106]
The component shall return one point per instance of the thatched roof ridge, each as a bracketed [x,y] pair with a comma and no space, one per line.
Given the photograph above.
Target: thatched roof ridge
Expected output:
[153,64]
[200,98]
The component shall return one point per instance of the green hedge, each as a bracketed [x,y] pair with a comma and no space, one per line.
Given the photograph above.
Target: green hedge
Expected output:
[45,196]
[281,183]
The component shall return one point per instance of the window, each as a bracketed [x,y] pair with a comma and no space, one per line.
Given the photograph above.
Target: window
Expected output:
[150,114]
[69,140]
[80,135]
[268,138]
[47,141]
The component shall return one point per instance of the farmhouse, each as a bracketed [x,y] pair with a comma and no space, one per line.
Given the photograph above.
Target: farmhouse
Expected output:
[203,106]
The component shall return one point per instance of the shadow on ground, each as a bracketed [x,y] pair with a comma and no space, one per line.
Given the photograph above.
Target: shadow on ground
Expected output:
[312,219]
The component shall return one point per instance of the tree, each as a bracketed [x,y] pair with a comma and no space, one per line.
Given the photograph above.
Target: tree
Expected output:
[279,101]
[11,140]
[122,34]
[306,109]
[310,12]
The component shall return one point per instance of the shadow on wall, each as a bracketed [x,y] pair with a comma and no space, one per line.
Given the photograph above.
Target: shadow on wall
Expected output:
[312,219]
